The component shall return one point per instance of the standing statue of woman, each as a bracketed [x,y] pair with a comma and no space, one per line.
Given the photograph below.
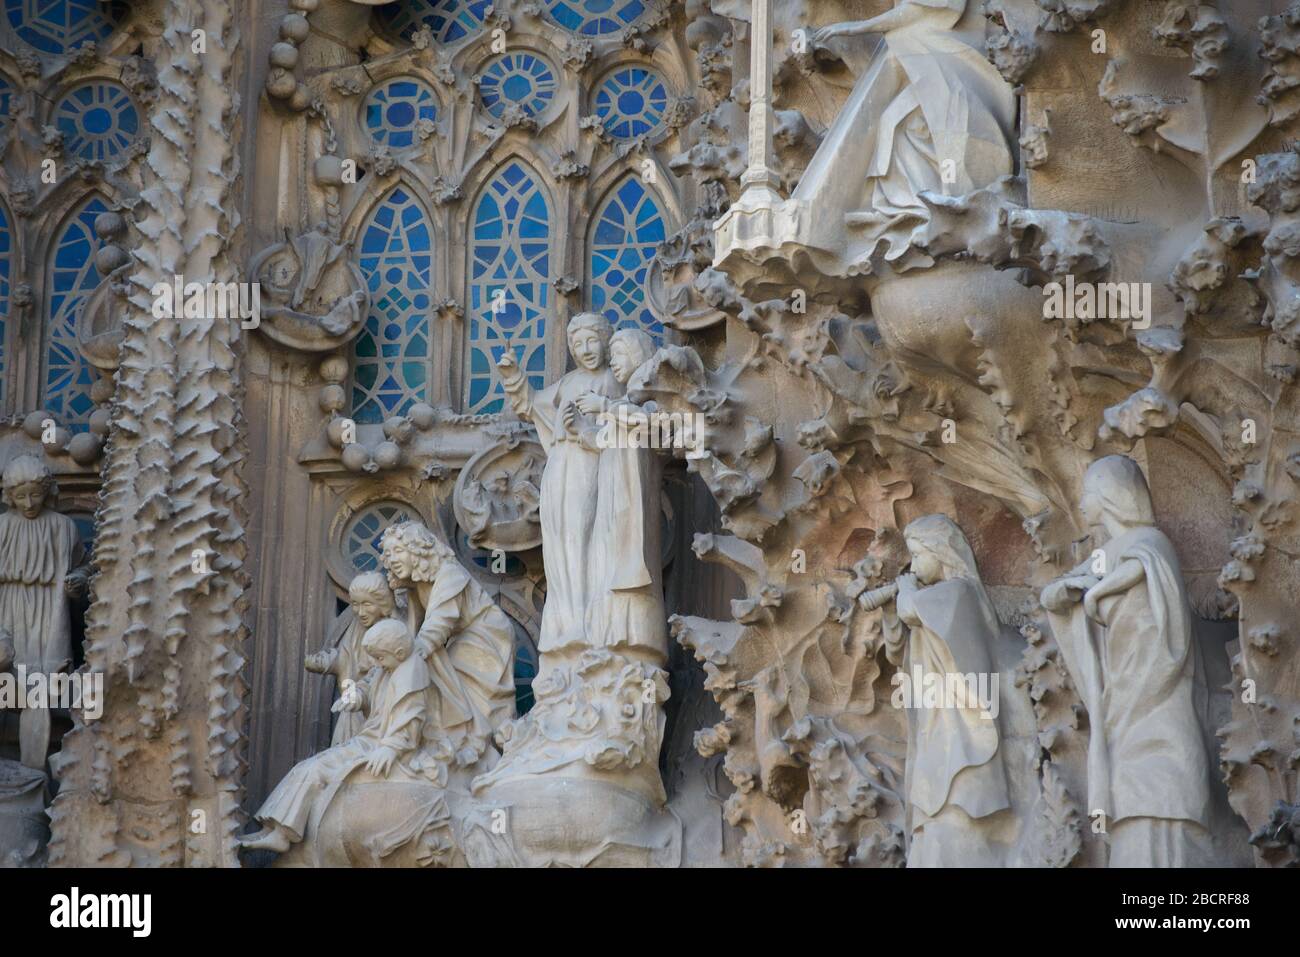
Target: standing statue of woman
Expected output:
[40,559]
[1126,635]
[626,609]
[956,782]
[466,639]
[569,480]
[929,113]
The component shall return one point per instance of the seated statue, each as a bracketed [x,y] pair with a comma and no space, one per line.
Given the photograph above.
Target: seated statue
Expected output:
[391,738]
[372,601]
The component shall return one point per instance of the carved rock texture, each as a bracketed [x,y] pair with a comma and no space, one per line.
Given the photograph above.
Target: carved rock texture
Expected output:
[157,780]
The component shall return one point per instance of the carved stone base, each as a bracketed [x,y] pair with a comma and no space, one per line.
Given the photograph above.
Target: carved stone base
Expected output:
[557,821]
[24,828]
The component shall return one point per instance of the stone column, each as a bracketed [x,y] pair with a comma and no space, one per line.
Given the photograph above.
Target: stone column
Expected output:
[157,779]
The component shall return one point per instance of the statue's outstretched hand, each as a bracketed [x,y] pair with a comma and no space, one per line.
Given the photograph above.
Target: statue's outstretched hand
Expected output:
[381,762]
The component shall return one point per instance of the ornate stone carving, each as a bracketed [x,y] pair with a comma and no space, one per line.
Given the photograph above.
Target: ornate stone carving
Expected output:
[313,296]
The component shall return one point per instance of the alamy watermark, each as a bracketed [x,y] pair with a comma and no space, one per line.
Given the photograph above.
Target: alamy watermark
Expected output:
[621,428]
[1088,301]
[22,689]
[213,300]
[933,690]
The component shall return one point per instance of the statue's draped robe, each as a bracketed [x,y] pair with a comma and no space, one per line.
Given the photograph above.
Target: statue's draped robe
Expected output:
[953,756]
[569,501]
[626,608]
[1148,767]
[471,658]
[36,555]
[350,664]
[399,710]
[929,97]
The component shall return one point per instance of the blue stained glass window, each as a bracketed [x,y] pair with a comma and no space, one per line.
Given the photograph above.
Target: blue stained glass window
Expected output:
[629,229]
[450,20]
[361,542]
[73,278]
[391,354]
[56,26]
[519,78]
[631,102]
[97,120]
[6,271]
[595,18]
[509,283]
[6,92]
[394,109]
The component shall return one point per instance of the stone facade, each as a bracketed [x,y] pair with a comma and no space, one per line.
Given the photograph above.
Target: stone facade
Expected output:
[660,433]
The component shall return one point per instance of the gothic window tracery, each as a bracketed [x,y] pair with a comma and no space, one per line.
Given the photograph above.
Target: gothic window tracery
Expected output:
[72,278]
[395,110]
[97,120]
[631,102]
[595,18]
[57,26]
[361,540]
[450,20]
[510,275]
[391,354]
[523,80]
[629,228]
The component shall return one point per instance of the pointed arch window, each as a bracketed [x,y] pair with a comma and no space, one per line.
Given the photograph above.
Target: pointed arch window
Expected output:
[391,354]
[595,18]
[72,278]
[6,280]
[57,26]
[509,283]
[629,228]
[450,20]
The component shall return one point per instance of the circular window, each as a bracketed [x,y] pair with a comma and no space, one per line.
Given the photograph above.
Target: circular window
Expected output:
[97,120]
[450,20]
[517,79]
[631,102]
[363,532]
[394,112]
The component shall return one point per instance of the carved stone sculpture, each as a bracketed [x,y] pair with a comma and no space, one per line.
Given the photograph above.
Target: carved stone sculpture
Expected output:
[1125,627]
[956,781]
[343,657]
[929,113]
[597,724]
[40,571]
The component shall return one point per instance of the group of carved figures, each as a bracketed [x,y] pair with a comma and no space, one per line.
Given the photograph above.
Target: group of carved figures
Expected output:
[429,696]
[1124,625]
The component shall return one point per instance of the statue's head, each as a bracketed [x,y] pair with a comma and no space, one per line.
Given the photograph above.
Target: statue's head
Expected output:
[371,598]
[413,553]
[1114,487]
[28,483]
[589,334]
[939,550]
[629,350]
[388,642]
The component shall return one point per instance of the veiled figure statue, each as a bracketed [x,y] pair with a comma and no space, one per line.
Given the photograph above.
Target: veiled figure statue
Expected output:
[928,113]
[467,640]
[627,602]
[1124,625]
[956,781]
[40,572]
[371,601]
[569,480]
